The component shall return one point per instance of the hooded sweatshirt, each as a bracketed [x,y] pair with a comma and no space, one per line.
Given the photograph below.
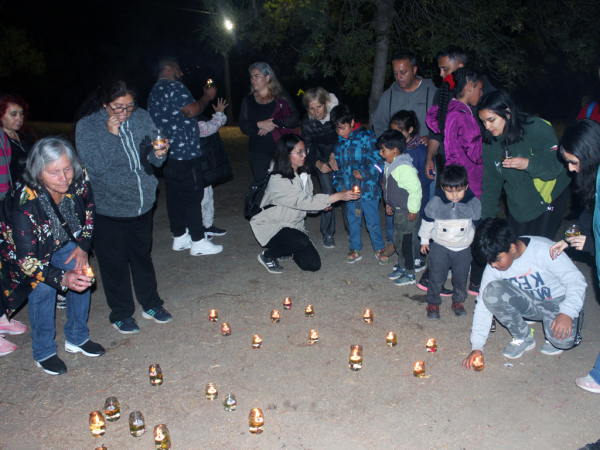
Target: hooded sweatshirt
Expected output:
[402,187]
[395,99]
[462,140]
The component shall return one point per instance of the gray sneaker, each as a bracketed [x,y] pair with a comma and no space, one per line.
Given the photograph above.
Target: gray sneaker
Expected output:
[272,265]
[328,242]
[550,350]
[517,347]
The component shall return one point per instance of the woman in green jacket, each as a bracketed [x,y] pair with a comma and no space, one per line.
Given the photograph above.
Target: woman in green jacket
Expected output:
[520,155]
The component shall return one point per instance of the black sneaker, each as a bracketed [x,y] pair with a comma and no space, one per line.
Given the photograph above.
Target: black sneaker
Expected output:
[214,231]
[420,265]
[433,312]
[424,283]
[88,349]
[493,327]
[328,242]
[459,309]
[272,265]
[473,289]
[593,446]
[52,366]
[61,301]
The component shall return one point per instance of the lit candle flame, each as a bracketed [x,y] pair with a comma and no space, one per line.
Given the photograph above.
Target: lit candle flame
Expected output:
[391,335]
[258,417]
[356,189]
[309,308]
[89,272]
[275,314]
[287,303]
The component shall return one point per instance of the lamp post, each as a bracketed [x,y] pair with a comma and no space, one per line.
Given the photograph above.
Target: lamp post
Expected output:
[228,24]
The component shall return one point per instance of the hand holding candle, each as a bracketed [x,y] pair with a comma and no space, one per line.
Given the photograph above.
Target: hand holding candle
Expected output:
[469,362]
[90,273]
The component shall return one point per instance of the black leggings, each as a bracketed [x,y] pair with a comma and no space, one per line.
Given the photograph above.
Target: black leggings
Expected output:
[289,241]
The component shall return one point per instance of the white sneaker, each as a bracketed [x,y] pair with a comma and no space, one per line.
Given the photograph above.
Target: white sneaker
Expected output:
[182,242]
[204,247]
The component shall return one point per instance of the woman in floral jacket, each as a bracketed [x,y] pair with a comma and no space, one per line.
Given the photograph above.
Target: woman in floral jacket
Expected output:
[46,231]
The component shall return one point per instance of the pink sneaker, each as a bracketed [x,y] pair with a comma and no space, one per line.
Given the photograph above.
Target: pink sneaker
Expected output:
[12,327]
[6,347]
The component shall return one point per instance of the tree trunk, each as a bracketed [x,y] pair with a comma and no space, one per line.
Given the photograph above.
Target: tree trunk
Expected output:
[381,23]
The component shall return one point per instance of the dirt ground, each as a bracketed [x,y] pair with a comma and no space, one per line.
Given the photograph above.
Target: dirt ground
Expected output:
[310,398]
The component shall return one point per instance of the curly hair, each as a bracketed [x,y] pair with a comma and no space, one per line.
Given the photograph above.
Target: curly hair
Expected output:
[461,77]
[7,99]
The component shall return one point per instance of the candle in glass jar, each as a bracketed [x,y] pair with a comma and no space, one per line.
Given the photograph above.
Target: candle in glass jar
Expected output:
[368,316]
[229,402]
[355,357]
[112,409]
[275,316]
[137,425]
[391,339]
[155,374]
[162,437]
[90,273]
[97,424]
[313,337]
[257,421]
[419,369]
[256,341]
[213,316]
[102,447]
[211,391]
[478,363]
[225,329]
[356,189]
[431,345]
[287,303]
[309,311]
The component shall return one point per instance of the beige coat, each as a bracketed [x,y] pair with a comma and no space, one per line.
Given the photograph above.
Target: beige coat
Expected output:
[292,200]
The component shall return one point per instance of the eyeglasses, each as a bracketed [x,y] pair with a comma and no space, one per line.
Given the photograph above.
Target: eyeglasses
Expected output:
[301,152]
[120,109]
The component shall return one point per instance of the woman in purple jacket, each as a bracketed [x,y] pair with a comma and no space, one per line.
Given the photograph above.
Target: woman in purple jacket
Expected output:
[454,120]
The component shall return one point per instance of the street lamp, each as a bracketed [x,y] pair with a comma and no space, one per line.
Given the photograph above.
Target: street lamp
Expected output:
[228,24]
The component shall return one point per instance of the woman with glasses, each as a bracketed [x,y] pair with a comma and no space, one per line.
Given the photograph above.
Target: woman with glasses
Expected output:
[288,197]
[113,140]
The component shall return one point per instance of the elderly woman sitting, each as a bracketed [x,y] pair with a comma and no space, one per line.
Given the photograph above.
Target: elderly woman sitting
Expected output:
[46,227]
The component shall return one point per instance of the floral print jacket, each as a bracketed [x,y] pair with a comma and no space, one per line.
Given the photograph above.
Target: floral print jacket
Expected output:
[26,242]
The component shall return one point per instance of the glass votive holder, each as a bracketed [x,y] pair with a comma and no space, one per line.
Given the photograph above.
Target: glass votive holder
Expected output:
[112,409]
[162,437]
[229,402]
[275,316]
[356,189]
[97,424]
[257,421]
[478,364]
[256,341]
[391,339]
[419,369]
[213,315]
[102,447]
[431,345]
[159,139]
[90,273]
[155,374]
[368,316]
[137,426]
[211,391]
[355,361]
[313,337]
[287,303]
[309,311]
[225,329]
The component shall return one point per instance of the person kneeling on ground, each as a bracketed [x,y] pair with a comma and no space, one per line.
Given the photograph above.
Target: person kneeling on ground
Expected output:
[522,282]
[288,197]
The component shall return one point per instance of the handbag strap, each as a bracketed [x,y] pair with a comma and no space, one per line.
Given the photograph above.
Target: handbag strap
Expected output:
[61,219]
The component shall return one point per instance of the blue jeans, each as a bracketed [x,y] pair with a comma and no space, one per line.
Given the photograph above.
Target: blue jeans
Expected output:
[42,305]
[371,212]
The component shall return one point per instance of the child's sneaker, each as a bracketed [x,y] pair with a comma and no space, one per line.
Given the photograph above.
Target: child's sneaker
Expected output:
[473,289]
[405,280]
[397,273]
[423,284]
[459,309]
[353,256]
[420,265]
[382,257]
[517,347]
[550,350]
[433,312]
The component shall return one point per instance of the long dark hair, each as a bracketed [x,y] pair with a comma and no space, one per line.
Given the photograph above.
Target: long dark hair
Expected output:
[282,165]
[582,140]
[107,92]
[502,104]
[461,78]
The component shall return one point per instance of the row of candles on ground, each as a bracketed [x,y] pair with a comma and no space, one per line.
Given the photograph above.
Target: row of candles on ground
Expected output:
[355,350]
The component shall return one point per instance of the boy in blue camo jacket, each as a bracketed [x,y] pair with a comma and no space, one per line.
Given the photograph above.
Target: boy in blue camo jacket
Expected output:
[357,165]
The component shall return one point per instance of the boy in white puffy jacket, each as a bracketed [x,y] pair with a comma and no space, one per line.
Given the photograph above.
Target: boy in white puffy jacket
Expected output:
[449,220]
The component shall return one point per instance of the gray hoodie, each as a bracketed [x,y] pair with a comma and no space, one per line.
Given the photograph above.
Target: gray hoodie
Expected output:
[395,99]
[119,166]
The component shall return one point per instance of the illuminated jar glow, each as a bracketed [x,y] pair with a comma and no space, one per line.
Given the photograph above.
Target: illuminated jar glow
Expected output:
[155,374]
[309,311]
[225,329]
[391,339]
[97,424]
[355,361]
[431,345]
[287,303]
[419,369]
[256,341]
[213,316]
[256,421]
[275,316]
[162,437]
[368,316]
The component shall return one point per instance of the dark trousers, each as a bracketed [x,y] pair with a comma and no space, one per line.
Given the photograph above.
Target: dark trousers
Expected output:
[328,217]
[477,269]
[260,162]
[289,241]
[185,190]
[121,245]
[441,259]
[545,225]
[403,241]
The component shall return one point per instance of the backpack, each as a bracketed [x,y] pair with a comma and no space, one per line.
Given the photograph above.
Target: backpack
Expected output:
[254,197]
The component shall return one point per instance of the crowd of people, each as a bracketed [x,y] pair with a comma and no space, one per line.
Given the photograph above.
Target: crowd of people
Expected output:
[60,199]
